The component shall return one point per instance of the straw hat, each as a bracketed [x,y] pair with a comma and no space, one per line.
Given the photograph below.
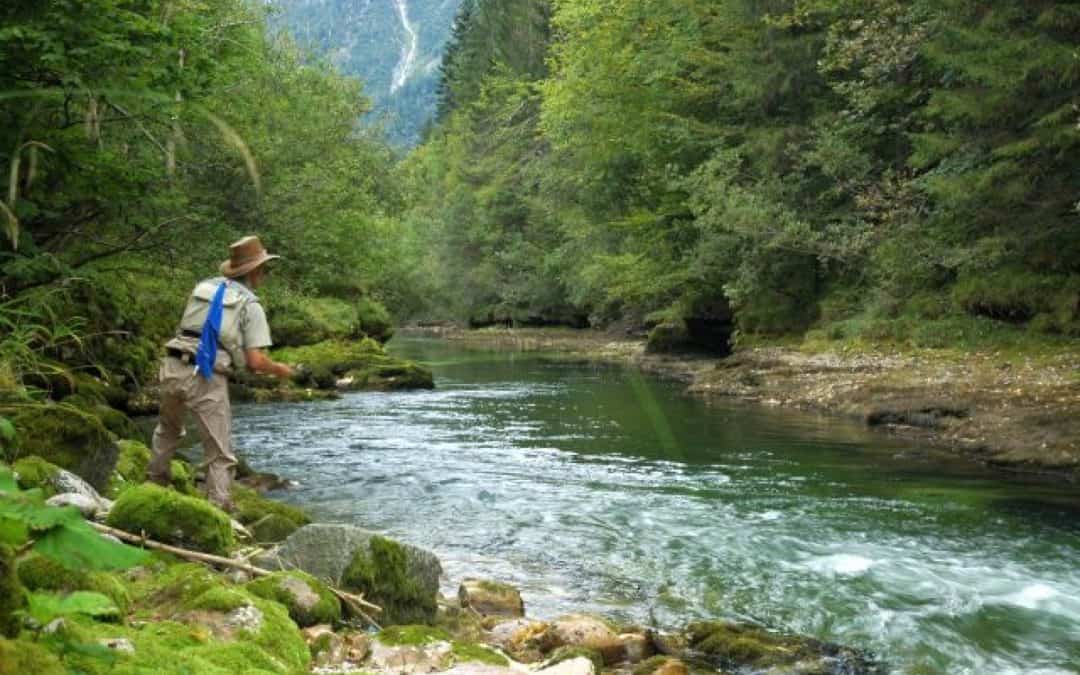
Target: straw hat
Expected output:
[244,256]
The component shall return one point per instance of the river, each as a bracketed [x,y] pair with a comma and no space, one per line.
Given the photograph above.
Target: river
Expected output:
[595,488]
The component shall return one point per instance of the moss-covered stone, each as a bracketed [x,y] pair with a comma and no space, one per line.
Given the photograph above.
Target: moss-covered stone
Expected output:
[568,652]
[35,472]
[420,635]
[182,477]
[68,437]
[380,571]
[733,645]
[272,528]
[38,573]
[308,600]
[170,517]
[24,657]
[673,336]
[363,364]
[12,597]
[251,506]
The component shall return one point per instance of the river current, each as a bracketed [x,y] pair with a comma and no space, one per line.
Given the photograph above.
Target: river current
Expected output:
[595,488]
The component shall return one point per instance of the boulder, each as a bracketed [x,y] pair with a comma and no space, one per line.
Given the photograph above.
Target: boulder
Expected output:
[402,579]
[411,659]
[308,600]
[636,647]
[69,438]
[272,528]
[590,633]
[729,645]
[525,640]
[173,518]
[491,598]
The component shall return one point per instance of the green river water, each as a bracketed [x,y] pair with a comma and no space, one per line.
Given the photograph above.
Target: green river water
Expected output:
[598,489]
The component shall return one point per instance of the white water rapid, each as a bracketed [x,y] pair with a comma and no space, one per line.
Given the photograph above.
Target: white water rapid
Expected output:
[408,52]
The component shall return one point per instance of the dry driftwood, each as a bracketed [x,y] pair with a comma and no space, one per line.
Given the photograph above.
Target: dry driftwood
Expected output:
[355,602]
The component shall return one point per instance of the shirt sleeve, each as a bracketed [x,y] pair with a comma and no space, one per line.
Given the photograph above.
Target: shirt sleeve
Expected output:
[254,328]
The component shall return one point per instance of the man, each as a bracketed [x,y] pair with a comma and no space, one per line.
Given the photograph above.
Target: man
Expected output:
[196,380]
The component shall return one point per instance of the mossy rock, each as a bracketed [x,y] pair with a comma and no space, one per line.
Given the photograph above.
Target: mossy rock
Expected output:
[173,518]
[569,652]
[308,600]
[252,506]
[272,528]
[420,635]
[365,362]
[673,336]
[382,573]
[38,573]
[35,472]
[734,646]
[70,438]
[24,657]
[12,596]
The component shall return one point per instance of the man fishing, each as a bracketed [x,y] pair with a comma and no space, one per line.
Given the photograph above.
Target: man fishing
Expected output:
[223,330]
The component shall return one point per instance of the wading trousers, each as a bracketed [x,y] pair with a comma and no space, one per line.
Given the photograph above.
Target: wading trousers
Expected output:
[208,402]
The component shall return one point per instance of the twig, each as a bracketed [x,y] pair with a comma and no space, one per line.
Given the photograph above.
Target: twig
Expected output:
[355,602]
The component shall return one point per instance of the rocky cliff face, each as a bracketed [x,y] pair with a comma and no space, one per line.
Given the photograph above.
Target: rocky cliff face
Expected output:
[394,46]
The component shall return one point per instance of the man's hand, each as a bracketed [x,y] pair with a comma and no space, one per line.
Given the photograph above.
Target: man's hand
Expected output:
[259,362]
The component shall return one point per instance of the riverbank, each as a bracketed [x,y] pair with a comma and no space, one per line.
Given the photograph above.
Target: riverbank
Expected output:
[1017,412]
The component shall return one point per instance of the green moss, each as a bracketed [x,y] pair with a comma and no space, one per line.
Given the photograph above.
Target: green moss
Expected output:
[12,597]
[735,645]
[251,506]
[668,337]
[70,438]
[178,586]
[23,657]
[296,321]
[283,587]
[479,654]
[173,518]
[132,460]
[365,361]
[568,652]
[35,472]
[237,657]
[650,665]
[38,573]
[375,320]
[381,574]
[420,635]
[412,636]
[183,477]
[280,637]
[272,528]
[219,599]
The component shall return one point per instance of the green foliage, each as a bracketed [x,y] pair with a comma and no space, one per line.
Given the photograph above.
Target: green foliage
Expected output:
[38,573]
[381,573]
[59,534]
[12,596]
[893,158]
[18,657]
[173,518]
[44,607]
[34,472]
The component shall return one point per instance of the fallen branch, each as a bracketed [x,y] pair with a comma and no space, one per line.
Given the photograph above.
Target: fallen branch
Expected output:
[355,602]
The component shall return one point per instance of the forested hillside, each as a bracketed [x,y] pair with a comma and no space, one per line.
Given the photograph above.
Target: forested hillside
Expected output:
[394,46]
[874,168]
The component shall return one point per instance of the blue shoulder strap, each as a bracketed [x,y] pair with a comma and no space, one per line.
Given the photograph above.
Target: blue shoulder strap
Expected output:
[208,341]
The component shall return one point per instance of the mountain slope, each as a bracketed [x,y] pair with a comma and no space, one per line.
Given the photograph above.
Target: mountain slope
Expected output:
[394,46]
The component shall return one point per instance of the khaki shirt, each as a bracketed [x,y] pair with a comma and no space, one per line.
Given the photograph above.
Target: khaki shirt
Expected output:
[243,323]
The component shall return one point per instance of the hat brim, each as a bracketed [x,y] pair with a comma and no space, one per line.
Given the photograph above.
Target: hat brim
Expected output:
[228,270]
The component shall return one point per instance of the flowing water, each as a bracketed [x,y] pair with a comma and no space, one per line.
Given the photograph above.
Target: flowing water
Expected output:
[599,489]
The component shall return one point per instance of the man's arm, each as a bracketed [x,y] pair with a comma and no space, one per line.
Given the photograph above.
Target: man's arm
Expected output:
[258,361]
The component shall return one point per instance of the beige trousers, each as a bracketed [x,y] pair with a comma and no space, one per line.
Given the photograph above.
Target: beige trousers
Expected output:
[208,402]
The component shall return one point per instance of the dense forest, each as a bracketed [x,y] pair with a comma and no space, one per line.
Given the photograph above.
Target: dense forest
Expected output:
[140,139]
[860,168]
